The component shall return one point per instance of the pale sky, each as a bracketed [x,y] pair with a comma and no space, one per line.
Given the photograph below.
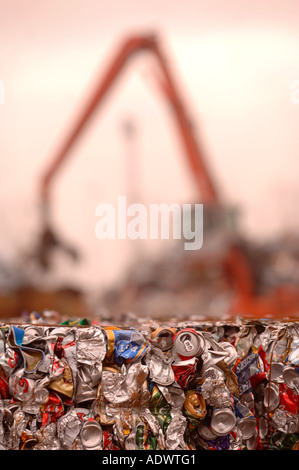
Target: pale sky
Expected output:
[234,61]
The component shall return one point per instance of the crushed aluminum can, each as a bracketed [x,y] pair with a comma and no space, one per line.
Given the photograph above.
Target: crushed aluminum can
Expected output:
[271,397]
[232,354]
[206,432]
[214,390]
[292,355]
[175,432]
[195,406]
[162,338]
[83,413]
[184,371]
[223,421]
[188,343]
[108,443]
[47,438]
[246,421]
[20,387]
[252,442]
[68,429]
[160,408]
[275,372]
[32,333]
[90,352]
[144,438]
[247,427]
[288,399]
[291,378]
[250,372]
[92,435]
[52,410]
[10,361]
[279,419]
[173,394]
[124,385]
[63,385]
[160,369]
[219,351]
[32,357]
[69,348]
[125,346]
[263,427]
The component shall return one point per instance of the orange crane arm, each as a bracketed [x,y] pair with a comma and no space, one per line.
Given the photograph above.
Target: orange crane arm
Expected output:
[236,261]
[195,158]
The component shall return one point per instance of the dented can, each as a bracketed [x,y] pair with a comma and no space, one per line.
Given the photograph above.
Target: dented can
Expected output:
[223,421]
[271,397]
[162,338]
[125,346]
[92,435]
[291,378]
[188,343]
[246,421]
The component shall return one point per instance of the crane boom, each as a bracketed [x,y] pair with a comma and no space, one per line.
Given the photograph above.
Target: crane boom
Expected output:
[130,47]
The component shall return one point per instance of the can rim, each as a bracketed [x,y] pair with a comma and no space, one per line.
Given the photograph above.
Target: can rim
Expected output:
[229,427]
[198,338]
[98,429]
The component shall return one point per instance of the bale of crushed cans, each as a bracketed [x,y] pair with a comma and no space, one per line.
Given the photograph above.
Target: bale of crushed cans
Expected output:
[192,386]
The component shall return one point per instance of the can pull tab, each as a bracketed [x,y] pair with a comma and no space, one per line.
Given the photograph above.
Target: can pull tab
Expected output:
[186,340]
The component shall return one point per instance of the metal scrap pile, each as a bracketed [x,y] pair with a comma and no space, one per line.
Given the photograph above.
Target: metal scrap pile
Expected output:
[210,385]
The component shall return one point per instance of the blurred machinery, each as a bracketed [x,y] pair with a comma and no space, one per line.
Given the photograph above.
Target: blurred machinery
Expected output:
[234,258]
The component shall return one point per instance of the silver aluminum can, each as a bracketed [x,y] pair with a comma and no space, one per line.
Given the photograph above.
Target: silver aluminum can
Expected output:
[251,443]
[276,370]
[160,372]
[223,421]
[160,368]
[291,378]
[68,428]
[21,388]
[263,427]
[271,396]
[32,333]
[92,435]
[247,427]
[188,343]
[205,432]
[232,354]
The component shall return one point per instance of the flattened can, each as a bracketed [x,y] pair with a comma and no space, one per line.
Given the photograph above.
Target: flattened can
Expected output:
[21,388]
[125,346]
[160,372]
[184,371]
[205,431]
[92,435]
[188,343]
[223,421]
[162,338]
[276,372]
[246,421]
[271,396]
[252,442]
[194,406]
[291,378]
